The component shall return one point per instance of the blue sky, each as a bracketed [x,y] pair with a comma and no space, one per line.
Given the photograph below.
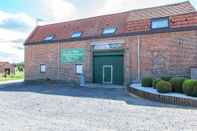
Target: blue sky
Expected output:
[18,17]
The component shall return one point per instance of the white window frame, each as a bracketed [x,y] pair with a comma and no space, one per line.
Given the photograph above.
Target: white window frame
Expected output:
[109,30]
[160,23]
[76,34]
[49,37]
[43,68]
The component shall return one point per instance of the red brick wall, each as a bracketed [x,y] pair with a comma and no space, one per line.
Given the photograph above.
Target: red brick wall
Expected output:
[184,20]
[7,66]
[164,53]
[139,25]
[68,70]
[49,54]
[160,54]
[41,54]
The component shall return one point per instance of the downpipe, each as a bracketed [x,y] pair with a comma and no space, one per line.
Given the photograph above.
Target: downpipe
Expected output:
[138,59]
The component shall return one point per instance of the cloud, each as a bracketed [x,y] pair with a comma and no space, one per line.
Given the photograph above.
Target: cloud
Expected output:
[9,52]
[12,49]
[20,21]
[14,29]
[58,10]
[114,6]
[11,35]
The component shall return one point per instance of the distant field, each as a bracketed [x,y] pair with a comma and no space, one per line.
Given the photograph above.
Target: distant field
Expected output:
[17,76]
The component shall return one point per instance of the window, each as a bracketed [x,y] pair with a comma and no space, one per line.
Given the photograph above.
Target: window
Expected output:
[43,68]
[79,68]
[109,30]
[160,23]
[49,37]
[76,35]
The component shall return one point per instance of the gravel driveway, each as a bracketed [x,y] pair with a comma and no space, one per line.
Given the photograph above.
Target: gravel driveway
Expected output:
[59,108]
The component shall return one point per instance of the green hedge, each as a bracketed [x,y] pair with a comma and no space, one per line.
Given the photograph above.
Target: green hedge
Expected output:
[166,78]
[155,81]
[168,84]
[177,84]
[147,82]
[164,87]
[190,87]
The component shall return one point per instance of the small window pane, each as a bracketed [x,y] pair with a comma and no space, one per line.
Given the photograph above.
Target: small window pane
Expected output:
[109,30]
[79,69]
[76,34]
[50,37]
[42,68]
[160,23]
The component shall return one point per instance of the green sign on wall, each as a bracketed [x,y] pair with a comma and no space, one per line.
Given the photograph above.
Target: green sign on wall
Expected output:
[72,55]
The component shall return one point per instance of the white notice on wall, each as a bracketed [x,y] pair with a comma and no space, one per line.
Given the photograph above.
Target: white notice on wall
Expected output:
[79,69]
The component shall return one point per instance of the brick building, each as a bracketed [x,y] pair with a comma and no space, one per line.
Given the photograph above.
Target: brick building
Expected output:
[7,68]
[117,48]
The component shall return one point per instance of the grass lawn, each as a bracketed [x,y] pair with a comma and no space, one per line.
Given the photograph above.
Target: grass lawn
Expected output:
[17,76]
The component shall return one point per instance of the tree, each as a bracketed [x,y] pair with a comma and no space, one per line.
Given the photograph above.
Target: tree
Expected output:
[20,66]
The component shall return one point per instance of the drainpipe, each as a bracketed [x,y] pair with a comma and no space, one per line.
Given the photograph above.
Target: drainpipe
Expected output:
[58,61]
[138,59]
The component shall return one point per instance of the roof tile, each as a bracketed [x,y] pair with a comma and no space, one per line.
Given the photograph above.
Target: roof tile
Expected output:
[93,26]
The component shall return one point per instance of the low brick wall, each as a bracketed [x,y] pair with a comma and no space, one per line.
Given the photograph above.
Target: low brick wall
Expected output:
[163,98]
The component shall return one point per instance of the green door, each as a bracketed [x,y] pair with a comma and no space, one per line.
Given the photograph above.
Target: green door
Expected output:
[108,68]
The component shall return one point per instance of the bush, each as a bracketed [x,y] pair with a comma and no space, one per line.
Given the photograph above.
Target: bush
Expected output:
[147,82]
[190,87]
[164,86]
[155,81]
[166,78]
[177,84]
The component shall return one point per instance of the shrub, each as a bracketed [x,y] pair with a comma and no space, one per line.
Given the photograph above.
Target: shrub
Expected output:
[147,82]
[155,81]
[166,78]
[177,84]
[190,87]
[164,86]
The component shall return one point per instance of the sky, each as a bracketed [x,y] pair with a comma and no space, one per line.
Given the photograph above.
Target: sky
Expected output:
[19,17]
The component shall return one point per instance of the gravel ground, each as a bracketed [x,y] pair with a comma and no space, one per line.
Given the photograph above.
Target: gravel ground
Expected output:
[59,108]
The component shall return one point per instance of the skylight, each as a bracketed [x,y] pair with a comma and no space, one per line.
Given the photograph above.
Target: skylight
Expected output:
[76,34]
[109,30]
[49,37]
[159,23]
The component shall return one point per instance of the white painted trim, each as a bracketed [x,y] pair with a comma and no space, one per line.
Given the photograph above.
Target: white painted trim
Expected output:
[107,66]
[108,42]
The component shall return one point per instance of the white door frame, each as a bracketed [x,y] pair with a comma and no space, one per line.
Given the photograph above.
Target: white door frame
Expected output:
[107,66]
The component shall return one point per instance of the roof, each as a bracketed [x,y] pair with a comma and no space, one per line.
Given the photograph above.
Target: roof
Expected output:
[162,11]
[4,63]
[92,27]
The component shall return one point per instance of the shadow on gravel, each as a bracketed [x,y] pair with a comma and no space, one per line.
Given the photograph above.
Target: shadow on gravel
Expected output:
[83,92]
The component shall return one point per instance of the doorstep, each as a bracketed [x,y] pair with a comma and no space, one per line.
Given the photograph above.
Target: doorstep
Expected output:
[93,85]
